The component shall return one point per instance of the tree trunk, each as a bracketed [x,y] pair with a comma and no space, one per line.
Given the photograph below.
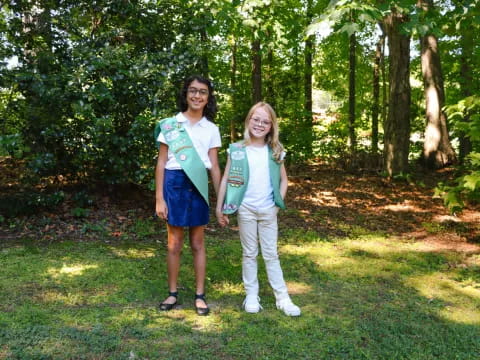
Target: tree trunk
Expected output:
[397,125]
[351,93]
[233,85]
[256,71]
[383,70]
[308,85]
[466,81]
[270,87]
[437,150]
[204,70]
[376,94]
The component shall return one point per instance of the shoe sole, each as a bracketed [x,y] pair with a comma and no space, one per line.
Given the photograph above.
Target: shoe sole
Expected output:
[292,314]
[289,313]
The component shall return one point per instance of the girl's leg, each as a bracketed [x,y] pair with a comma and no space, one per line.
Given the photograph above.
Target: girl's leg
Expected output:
[268,233]
[247,223]
[175,243]
[197,244]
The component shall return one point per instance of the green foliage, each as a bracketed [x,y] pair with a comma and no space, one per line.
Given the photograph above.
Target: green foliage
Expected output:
[80,212]
[92,79]
[12,145]
[29,202]
[467,185]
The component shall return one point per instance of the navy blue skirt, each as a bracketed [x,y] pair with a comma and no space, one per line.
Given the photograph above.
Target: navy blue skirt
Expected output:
[186,206]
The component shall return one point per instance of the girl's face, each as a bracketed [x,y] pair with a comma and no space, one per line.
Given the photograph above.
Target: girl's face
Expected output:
[197,95]
[259,124]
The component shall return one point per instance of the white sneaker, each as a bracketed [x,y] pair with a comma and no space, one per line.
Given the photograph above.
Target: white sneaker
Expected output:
[251,304]
[288,307]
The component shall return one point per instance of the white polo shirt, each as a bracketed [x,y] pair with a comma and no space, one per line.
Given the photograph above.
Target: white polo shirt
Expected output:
[205,135]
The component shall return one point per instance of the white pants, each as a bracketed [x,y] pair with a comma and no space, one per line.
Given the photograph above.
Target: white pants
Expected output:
[260,226]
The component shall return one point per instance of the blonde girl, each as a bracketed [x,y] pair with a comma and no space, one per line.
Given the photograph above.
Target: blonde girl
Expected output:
[254,186]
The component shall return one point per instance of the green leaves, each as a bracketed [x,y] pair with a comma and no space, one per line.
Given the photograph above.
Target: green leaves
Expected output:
[472,181]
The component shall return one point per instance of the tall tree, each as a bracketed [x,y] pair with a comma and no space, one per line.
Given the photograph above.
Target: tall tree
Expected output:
[256,71]
[376,92]
[269,74]
[351,92]
[308,80]
[233,86]
[466,82]
[397,125]
[437,150]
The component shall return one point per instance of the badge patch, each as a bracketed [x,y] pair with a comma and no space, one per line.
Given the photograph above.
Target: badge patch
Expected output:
[183,157]
[172,135]
[238,155]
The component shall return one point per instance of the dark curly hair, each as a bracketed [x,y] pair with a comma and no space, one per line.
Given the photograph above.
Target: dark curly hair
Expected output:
[210,110]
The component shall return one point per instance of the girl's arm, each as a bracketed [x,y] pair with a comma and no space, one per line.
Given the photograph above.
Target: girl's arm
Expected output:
[221,217]
[215,170]
[283,181]
[160,206]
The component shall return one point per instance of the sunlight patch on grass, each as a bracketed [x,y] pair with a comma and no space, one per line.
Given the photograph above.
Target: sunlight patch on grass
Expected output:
[70,299]
[205,323]
[316,250]
[297,236]
[129,315]
[459,303]
[229,288]
[70,270]
[296,288]
[133,253]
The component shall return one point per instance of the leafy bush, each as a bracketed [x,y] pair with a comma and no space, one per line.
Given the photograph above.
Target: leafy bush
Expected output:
[27,203]
[467,185]
[12,144]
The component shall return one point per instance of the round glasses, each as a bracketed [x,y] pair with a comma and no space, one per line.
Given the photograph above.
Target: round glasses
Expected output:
[194,91]
[261,122]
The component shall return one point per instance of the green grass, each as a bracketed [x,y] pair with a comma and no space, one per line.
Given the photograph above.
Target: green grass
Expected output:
[362,297]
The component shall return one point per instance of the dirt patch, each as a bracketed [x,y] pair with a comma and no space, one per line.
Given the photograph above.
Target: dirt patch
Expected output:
[322,199]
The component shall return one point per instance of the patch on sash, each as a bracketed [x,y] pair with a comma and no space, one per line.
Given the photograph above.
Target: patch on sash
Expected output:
[172,135]
[235,180]
[167,127]
[238,155]
[229,207]
[182,147]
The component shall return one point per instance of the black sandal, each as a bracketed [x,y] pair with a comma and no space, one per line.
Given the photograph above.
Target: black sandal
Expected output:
[166,307]
[201,310]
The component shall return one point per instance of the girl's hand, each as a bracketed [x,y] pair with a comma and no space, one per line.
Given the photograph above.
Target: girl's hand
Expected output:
[222,218]
[161,209]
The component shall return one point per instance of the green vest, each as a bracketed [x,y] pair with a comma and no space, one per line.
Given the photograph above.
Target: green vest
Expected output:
[180,144]
[237,180]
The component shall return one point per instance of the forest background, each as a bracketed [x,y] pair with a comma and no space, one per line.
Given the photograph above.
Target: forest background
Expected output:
[372,85]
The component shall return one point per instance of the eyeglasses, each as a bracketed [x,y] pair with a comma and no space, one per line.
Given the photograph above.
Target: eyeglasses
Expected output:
[195,91]
[261,122]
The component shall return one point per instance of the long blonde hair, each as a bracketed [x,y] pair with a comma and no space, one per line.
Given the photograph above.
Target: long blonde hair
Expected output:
[272,138]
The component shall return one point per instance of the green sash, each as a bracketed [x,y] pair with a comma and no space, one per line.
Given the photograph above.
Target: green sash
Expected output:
[237,180]
[181,146]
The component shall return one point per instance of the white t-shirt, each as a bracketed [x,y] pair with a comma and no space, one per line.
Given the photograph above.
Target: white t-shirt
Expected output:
[259,193]
[205,135]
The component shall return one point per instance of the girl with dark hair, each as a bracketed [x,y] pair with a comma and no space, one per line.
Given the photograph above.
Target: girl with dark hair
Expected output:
[210,110]
[189,144]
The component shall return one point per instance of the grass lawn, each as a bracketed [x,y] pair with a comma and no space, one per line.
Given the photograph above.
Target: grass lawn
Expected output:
[364,295]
